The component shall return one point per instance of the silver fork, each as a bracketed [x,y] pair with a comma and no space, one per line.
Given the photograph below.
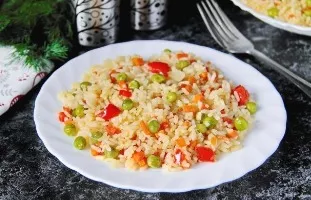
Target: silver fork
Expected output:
[231,39]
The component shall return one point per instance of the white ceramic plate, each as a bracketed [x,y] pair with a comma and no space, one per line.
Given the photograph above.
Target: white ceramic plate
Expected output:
[302,30]
[262,141]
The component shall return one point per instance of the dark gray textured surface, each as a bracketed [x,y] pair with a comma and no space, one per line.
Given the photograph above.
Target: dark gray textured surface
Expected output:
[29,171]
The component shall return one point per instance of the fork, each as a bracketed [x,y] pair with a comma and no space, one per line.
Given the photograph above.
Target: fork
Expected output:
[231,39]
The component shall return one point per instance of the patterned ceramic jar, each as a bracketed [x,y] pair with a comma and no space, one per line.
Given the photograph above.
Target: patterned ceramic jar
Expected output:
[97,21]
[148,14]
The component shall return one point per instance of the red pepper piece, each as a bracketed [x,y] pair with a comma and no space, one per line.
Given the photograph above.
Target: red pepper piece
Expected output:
[228,120]
[164,125]
[109,112]
[243,94]
[61,117]
[159,67]
[179,156]
[205,154]
[125,93]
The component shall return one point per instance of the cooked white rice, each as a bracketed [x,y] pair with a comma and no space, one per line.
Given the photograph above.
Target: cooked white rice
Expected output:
[151,103]
[292,11]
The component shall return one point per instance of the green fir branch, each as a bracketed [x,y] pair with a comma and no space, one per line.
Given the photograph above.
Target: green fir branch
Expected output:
[40,30]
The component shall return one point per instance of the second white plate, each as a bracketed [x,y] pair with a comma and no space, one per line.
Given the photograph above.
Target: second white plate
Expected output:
[302,30]
[260,143]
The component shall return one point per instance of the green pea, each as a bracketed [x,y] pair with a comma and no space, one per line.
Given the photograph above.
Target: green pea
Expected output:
[273,12]
[127,104]
[209,122]
[307,13]
[167,50]
[111,154]
[70,129]
[85,85]
[121,77]
[308,2]
[240,124]
[153,126]
[78,111]
[171,97]
[251,107]
[96,134]
[134,84]
[201,128]
[182,64]
[158,78]
[79,143]
[154,161]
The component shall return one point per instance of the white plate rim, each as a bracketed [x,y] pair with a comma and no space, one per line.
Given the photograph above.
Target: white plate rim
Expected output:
[273,22]
[64,160]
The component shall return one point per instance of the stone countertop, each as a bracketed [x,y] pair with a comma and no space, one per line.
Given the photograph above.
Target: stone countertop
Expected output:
[29,171]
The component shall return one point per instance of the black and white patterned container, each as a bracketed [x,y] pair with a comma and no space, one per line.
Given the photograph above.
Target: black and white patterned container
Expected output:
[97,21]
[148,14]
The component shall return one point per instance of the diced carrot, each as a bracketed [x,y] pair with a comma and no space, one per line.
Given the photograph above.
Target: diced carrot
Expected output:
[214,141]
[181,55]
[137,61]
[181,142]
[122,84]
[187,87]
[94,152]
[112,130]
[144,128]
[112,78]
[190,108]
[193,144]
[191,79]
[203,76]
[142,163]
[232,134]
[139,158]
[197,98]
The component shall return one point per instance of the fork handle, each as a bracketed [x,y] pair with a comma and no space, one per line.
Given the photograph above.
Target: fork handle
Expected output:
[301,83]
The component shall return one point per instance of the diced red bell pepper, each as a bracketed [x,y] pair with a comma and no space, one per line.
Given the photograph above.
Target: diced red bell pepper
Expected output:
[125,93]
[159,67]
[228,120]
[109,112]
[205,154]
[179,156]
[243,94]
[164,125]
[61,116]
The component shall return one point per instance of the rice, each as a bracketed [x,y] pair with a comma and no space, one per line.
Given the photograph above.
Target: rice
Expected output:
[293,11]
[178,143]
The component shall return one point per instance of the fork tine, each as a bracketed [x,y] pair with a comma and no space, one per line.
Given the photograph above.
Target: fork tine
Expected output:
[229,25]
[214,27]
[207,24]
[213,6]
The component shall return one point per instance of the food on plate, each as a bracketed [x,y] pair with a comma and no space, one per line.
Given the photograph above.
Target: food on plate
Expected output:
[171,111]
[295,12]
